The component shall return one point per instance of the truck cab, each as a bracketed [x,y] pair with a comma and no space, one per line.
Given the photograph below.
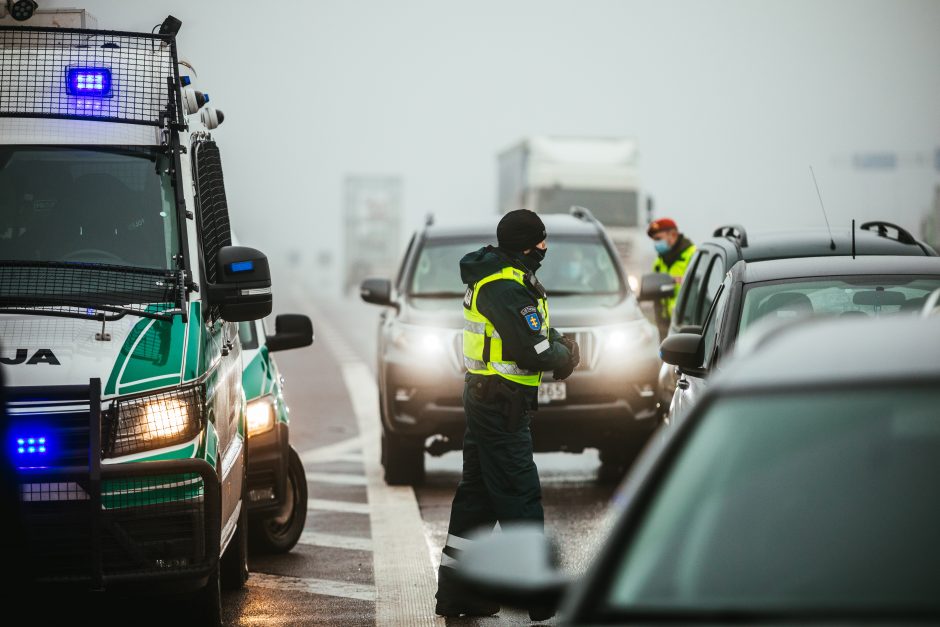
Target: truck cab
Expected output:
[120,298]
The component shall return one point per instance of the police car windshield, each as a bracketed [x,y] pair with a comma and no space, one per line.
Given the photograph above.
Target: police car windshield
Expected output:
[857,296]
[572,267]
[97,205]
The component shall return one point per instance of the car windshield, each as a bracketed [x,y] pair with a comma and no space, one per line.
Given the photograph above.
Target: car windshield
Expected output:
[847,296]
[798,503]
[572,267]
[110,206]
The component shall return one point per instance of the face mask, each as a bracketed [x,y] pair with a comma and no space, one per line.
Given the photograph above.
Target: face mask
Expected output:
[661,246]
[538,254]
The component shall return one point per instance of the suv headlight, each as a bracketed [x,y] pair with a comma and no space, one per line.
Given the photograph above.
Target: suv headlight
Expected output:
[617,338]
[143,423]
[423,341]
[261,415]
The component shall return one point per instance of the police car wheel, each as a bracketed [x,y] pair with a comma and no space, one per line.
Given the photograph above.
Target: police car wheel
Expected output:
[280,532]
[234,563]
[403,459]
[206,604]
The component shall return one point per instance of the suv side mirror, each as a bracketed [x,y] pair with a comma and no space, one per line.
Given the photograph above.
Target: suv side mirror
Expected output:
[685,350]
[377,292]
[656,285]
[290,331]
[243,289]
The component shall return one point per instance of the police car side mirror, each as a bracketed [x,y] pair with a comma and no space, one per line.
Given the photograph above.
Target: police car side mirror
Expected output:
[377,292]
[290,331]
[516,567]
[656,285]
[685,350]
[242,290]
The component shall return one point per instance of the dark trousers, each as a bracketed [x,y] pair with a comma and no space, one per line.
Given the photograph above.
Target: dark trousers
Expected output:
[500,482]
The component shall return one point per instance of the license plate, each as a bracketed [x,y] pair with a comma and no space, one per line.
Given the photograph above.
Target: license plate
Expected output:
[552,391]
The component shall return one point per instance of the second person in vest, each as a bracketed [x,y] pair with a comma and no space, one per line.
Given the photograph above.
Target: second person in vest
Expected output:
[674,252]
[508,343]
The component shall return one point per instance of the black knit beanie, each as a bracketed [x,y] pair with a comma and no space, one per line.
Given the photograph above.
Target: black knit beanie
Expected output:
[520,230]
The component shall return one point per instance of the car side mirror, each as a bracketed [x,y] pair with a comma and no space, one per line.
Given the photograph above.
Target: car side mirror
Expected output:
[656,286]
[516,567]
[290,331]
[685,350]
[377,292]
[242,290]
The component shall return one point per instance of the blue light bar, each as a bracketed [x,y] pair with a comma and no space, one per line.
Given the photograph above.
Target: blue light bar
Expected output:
[92,82]
[242,266]
[28,447]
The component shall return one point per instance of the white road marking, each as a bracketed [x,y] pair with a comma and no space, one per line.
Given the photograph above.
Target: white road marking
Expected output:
[312,586]
[404,579]
[338,506]
[331,452]
[313,538]
[336,477]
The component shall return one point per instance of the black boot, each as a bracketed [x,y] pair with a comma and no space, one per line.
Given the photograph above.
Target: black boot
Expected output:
[453,600]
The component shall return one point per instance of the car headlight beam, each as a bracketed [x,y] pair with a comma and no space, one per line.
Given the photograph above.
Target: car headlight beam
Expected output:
[154,421]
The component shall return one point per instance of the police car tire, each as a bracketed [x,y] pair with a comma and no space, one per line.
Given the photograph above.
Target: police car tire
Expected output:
[234,563]
[403,459]
[269,537]
[207,602]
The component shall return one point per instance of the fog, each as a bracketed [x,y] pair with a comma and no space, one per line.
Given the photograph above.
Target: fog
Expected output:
[730,103]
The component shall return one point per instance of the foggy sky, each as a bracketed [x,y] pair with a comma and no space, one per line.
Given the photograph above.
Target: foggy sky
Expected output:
[729,101]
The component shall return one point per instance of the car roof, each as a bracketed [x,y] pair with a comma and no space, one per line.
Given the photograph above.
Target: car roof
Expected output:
[838,350]
[484,228]
[777,269]
[813,242]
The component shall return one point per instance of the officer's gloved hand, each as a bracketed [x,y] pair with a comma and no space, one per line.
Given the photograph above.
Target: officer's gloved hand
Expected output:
[560,374]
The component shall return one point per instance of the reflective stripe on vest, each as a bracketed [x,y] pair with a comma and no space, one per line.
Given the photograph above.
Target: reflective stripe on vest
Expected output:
[482,345]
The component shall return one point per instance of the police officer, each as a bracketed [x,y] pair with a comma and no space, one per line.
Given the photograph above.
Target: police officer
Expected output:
[508,343]
[674,251]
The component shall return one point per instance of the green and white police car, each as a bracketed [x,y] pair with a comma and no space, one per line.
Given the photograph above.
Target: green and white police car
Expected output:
[120,298]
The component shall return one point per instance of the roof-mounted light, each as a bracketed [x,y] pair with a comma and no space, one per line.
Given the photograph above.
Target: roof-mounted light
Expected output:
[89,82]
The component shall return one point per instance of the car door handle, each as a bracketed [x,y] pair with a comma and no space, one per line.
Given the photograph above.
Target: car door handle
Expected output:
[682,384]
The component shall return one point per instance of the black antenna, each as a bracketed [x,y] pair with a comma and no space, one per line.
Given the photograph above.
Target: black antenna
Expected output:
[832,242]
[853,238]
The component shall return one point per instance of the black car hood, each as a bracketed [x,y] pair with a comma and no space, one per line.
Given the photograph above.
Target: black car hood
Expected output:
[565,311]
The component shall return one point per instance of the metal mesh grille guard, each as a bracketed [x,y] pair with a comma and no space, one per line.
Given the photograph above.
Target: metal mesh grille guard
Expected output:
[86,289]
[34,75]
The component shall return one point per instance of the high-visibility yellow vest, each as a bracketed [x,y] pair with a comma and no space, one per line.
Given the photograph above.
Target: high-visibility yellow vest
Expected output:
[482,346]
[677,270]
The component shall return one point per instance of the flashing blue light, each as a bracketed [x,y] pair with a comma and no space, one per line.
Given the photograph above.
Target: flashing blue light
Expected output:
[92,82]
[21,450]
[35,445]
[242,266]
[20,441]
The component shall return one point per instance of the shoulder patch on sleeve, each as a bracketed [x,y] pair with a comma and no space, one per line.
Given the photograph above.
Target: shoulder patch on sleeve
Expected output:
[531,316]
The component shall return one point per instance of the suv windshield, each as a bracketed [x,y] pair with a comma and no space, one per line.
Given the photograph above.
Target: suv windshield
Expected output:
[794,503]
[110,206]
[572,267]
[847,296]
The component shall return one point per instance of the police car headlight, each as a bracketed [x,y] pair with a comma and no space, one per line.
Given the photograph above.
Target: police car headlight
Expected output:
[261,415]
[144,423]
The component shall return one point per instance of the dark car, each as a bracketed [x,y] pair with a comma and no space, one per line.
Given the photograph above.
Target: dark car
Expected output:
[730,244]
[801,490]
[608,403]
[761,293]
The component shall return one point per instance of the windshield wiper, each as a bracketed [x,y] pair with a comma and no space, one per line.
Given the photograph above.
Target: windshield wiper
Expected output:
[436,294]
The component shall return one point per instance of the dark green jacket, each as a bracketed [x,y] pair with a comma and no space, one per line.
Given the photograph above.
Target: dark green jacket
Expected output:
[506,304]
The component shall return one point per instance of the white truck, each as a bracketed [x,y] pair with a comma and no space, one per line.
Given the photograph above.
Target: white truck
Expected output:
[552,174]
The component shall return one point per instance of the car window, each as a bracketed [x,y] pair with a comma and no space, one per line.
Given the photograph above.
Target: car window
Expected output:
[713,326]
[404,260]
[784,502]
[693,284]
[855,296]
[713,278]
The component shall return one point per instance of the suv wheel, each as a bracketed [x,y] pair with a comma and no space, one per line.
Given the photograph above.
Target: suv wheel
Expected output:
[403,459]
[617,460]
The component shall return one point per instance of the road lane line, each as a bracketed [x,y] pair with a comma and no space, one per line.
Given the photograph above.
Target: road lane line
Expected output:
[338,506]
[405,581]
[312,586]
[331,452]
[314,538]
[336,477]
